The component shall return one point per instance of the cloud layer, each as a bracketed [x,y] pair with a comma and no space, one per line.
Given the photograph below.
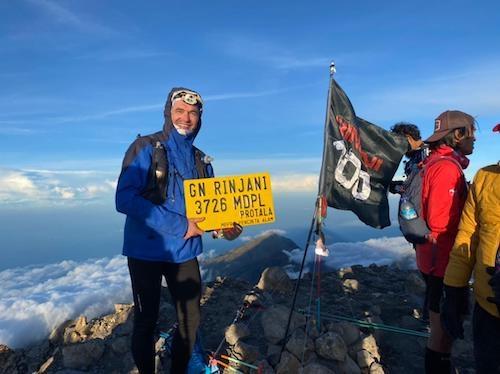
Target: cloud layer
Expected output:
[42,187]
[34,300]
[49,187]
[380,251]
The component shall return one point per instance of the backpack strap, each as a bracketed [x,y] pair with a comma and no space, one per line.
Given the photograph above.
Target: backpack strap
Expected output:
[200,163]
[441,158]
[156,187]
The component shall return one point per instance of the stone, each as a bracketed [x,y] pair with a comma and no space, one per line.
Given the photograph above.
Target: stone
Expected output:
[265,367]
[375,310]
[370,344]
[376,368]
[71,336]
[409,322]
[123,312]
[346,367]
[350,333]
[316,368]
[274,321]
[331,346]
[7,360]
[414,284]
[103,327]
[378,333]
[159,344]
[235,332]
[351,285]
[273,349]
[56,337]
[252,299]
[81,326]
[46,365]
[275,279]
[121,345]
[38,352]
[246,352]
[343,271]
[81,356]
[364,359]
[126,327]
[288,364]
[300,345]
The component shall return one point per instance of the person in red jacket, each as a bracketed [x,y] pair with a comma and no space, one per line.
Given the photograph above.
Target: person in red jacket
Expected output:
[444,191]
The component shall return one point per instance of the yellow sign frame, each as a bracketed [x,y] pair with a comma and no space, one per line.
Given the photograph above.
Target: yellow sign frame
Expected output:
[245,199]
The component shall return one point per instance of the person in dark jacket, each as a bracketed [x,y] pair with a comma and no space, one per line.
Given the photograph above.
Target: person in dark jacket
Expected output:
[159,240]
[415,155]
[444,191]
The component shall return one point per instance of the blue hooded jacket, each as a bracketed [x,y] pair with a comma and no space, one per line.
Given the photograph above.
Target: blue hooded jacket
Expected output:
[155,232]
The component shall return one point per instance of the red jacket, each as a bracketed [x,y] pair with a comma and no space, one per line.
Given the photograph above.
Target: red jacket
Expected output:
[444,191]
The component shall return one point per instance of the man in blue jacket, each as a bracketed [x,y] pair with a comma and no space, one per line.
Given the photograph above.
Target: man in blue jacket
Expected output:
[159,240]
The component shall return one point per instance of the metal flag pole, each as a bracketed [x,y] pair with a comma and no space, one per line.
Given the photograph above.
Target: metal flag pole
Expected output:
[317,212]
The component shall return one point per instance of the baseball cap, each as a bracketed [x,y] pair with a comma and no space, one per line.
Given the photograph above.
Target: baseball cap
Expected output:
[450,120]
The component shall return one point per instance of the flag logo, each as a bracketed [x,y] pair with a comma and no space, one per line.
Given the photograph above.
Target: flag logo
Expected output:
[359,161]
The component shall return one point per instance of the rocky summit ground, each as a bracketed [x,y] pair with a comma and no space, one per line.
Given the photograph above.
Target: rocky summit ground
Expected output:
[379,294]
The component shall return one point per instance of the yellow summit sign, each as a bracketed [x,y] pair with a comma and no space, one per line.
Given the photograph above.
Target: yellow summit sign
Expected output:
[245,199]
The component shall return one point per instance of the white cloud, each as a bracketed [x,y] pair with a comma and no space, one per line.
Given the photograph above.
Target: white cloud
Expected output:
[65,16]
[274,55]
[42,187]
[295,183]
[34,300]
[154,107]
[15,185]
[381,251]
[124,54]
[65,193]
[15,130]
[473,89]
[247,238]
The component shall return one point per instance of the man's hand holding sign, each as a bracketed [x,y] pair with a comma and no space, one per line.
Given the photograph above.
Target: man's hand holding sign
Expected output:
[226,204]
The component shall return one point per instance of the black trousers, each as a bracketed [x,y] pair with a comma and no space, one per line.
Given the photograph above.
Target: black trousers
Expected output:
[486,333]
[184,284]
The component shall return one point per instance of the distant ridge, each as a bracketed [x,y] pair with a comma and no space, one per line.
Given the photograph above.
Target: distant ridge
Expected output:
[249,260]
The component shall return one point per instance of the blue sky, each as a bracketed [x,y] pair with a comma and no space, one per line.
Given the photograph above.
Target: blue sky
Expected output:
[79,80]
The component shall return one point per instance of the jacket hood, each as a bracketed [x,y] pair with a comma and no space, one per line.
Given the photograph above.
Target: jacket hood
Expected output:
[446,150]
[168,126]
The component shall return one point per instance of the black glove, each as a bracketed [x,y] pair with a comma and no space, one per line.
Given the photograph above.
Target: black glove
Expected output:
[494,282]
[230,233]
[454,306]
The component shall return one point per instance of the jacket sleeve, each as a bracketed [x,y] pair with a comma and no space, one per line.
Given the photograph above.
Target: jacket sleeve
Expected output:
[463,254]
[129,201]
[444,203]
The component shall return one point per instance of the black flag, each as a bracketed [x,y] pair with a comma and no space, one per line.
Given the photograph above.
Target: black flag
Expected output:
[359,161]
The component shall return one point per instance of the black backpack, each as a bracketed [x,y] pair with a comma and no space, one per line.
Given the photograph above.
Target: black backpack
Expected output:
[411,222]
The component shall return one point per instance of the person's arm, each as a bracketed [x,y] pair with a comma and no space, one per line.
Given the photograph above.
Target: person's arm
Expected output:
[129,201]
[462,259]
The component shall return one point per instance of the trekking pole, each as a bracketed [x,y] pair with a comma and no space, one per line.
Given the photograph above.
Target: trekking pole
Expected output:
[298,281]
